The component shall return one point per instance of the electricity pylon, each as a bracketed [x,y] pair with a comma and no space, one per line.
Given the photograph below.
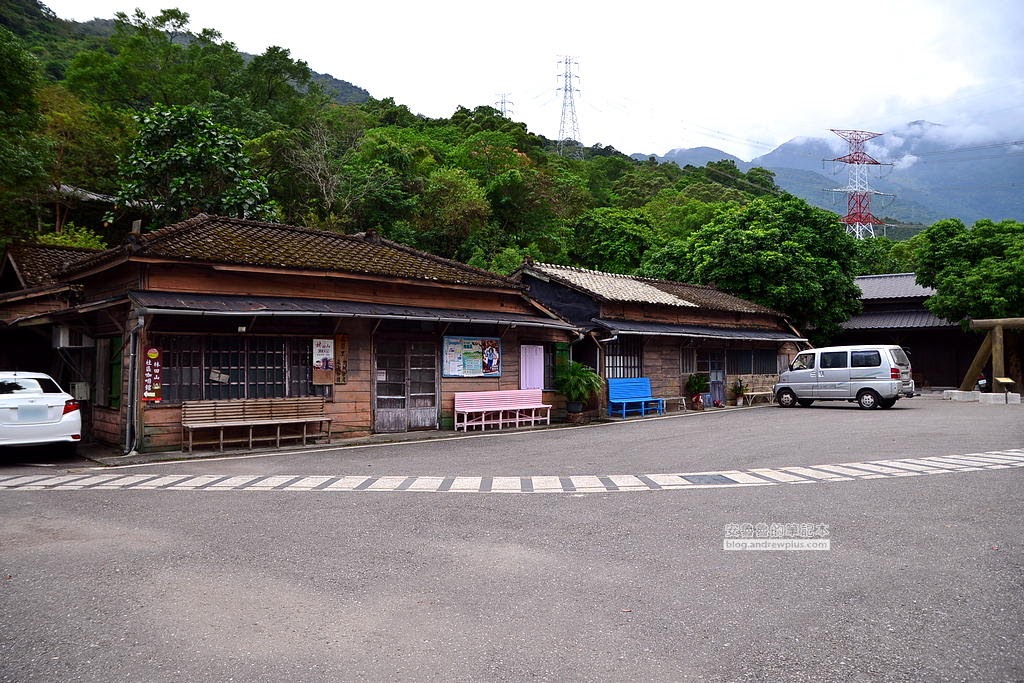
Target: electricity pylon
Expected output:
[569,144]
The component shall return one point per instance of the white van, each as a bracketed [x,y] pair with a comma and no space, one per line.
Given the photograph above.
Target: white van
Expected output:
[875,376]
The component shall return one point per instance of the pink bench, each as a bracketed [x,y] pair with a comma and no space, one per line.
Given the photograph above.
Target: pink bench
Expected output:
[483,409]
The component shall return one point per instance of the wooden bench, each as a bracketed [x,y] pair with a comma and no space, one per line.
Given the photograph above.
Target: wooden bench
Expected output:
[246,415]
[632,395]
[498,409]
[761,387]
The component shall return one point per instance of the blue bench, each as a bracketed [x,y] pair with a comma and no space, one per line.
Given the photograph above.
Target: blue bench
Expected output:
[632,395]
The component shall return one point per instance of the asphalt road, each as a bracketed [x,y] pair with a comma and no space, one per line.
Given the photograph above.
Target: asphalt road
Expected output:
[924,579]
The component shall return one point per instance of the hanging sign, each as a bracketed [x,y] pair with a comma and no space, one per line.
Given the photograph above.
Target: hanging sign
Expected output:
[472,357]
[152,375]
[341,359]
[323,361]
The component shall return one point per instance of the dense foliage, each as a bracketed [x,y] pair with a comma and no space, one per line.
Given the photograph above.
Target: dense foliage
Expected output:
[145,118]
[977,272]
[777,251]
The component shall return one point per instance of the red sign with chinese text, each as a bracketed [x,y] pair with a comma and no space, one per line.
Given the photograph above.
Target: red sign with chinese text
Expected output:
[152,375]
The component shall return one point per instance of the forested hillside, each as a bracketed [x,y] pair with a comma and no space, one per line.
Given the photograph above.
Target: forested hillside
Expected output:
[167,119]
[149,118]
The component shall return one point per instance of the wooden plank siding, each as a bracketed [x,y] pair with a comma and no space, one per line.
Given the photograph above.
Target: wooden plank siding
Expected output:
[205,281]
[687,316]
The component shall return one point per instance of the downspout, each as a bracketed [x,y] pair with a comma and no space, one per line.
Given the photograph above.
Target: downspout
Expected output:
[131,410]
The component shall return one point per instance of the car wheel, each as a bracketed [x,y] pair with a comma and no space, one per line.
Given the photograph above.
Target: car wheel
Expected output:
[805,402]
[786,398]
[887,403]
[868,399]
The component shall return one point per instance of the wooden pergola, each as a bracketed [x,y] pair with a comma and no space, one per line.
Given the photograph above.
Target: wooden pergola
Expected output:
[992,346]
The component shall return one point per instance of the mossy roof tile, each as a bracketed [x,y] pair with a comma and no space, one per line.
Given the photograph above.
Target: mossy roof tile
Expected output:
[219,240]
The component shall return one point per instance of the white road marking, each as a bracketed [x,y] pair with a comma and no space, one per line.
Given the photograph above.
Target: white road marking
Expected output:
[581,483]
[815,474]
[466,484]
[430,484]
[776,475]
[505,485]
[743,477]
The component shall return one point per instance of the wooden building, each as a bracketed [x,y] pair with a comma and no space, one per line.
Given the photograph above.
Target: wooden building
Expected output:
[894,313]
[238,309]
[638,327]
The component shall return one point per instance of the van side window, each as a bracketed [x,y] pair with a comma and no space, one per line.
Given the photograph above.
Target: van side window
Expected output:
[805,361]
[865,359]
[833,359]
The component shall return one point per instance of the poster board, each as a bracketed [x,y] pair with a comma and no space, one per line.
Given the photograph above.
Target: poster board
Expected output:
[323,361]
[153,375]
[471,357]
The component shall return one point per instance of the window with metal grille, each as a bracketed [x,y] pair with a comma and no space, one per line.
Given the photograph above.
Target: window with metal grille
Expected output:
[214,367]
[623,358]
[688,361]
[751,361]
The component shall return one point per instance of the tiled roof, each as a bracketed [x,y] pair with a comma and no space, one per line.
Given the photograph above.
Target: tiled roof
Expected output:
[893,286]
[215,239]
[36,264]
[631,289]
[894,320]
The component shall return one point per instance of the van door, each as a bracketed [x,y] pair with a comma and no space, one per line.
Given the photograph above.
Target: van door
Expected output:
[803,376]
[833,375]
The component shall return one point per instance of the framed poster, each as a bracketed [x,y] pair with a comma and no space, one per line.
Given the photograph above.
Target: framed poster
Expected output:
[323,361]
[471,357]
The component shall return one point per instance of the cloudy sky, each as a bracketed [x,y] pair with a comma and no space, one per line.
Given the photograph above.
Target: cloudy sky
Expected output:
[653,75]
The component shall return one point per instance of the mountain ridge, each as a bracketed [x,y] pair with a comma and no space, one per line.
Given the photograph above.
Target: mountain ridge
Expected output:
[924,173]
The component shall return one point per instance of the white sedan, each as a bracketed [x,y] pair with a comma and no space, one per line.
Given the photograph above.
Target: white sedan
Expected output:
[35,410]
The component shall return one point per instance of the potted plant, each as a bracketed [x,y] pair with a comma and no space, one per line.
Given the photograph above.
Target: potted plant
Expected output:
[578,383]
[738,391]
[697,385]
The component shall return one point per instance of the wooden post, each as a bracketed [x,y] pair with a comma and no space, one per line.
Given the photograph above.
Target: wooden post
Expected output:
[998,364]
[977,364]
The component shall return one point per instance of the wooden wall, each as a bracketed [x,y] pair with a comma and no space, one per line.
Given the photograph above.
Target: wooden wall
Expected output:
[195,279]
[351,404]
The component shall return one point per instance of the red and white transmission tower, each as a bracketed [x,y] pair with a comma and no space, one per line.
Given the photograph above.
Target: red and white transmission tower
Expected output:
[859,220]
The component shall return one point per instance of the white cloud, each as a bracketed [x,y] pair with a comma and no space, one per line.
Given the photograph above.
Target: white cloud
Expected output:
[740,75]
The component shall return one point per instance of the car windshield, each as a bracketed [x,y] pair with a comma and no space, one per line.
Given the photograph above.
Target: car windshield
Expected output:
[26,385]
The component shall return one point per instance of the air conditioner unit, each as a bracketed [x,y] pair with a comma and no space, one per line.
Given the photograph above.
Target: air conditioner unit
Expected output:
[65,337]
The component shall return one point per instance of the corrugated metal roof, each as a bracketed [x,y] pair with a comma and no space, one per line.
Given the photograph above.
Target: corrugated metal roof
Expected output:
[892,286]
[702,331]
[894,320]
[220,240]
[632,289]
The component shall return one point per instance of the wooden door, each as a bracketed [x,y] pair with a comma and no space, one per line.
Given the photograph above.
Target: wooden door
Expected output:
[405,386]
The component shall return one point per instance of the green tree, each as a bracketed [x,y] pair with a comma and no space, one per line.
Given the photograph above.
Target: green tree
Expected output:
[19,111]
[155,60]
[880,255]
[612,240]
[781,253]
[182,161]
[977,272]
[451,209]
[73,236]
[21,146]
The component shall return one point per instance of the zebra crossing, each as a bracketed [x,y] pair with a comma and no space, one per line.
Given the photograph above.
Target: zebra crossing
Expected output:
[760,476]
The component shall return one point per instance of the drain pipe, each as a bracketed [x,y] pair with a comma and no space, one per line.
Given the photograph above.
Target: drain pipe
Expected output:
[131,410]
